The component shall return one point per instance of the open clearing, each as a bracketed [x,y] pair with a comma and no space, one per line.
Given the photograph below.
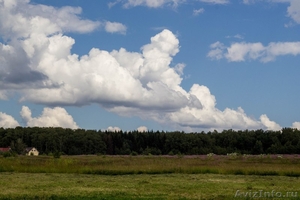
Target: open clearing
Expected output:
[150,177]
[141,186]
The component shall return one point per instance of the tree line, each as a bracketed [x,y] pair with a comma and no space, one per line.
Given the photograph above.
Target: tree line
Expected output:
[81,141]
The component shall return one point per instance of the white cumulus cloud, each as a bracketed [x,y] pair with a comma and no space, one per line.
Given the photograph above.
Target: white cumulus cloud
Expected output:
[115,27]
[148,3]
[56,117]
[113,129]
[216,1]
[271,125]
[144,83]
[7,121]
[161,3]
[21,19]
[296,125]
[242,51]
[142,129]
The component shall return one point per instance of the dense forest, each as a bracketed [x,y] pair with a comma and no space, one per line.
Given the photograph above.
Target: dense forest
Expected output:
[80,141]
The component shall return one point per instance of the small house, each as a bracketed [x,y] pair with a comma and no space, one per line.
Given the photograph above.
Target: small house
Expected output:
[31,151]
[5,149]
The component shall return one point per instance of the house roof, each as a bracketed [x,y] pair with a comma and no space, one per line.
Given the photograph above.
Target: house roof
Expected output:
[5,149]
[29,149]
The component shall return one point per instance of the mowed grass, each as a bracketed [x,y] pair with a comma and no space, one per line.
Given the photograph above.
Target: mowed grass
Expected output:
[142,186]
[122,165]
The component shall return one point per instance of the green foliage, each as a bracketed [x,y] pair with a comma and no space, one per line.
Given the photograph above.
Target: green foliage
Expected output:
[18,146]
[258,147]
[86,142]
[134,153]
[8,154]
[121,165]
[56,154]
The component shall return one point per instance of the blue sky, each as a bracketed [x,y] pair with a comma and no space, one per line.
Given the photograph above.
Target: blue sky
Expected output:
[188,65]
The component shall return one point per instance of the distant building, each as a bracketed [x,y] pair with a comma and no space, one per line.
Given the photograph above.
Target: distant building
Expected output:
[31,151]
[5,149]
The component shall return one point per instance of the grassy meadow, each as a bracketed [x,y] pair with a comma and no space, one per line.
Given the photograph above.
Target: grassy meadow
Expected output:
[139,186]
[288,165]
[150,177]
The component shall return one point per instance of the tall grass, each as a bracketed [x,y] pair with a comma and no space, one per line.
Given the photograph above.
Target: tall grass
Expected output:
[121,165]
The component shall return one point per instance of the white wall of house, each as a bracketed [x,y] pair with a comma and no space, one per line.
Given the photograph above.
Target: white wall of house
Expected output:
[33,152]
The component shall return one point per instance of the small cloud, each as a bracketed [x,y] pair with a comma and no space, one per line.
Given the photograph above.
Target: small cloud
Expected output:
[115,27]
[3,96]
[290,24]
[296,125]
[113,129]
[152,3]
[248,2]
[217,51]
[179,68]
[199,11]
[216,1]
[242,51]
[293,11]
[142,129]
[237,36]
[112,4]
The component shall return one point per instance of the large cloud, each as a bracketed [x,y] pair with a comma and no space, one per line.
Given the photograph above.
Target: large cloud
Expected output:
[242,51]
[140,84]
[7,121]
[20,19]
[56,117]
[27,28]
[111,78]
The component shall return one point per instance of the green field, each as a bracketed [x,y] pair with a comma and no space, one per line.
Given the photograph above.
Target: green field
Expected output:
[150,177]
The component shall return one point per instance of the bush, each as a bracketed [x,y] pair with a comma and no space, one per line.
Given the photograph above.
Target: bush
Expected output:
[134,153]
[56,154]
[9,154]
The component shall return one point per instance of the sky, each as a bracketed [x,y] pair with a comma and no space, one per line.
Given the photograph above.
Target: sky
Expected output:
[186,65]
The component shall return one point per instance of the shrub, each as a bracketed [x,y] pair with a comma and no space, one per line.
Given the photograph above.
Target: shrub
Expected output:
[9,154]
[134,153]
[56,154]
[210,155]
